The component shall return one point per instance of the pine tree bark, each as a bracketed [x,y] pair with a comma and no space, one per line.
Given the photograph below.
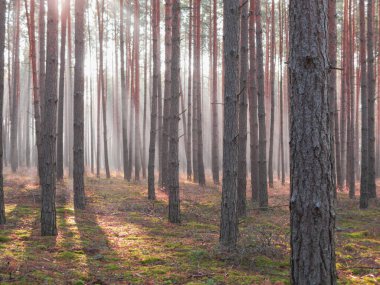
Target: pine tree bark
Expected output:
[364,105]
[272,91]
[173,179]
[153,113]
[282,156]
[334,115]
[189,103]
[49,122]
[136,42]
[78,169]
[15,90]
[242,115]
[214,100]
[36,94]
[3,8]
[312,203]
[42,53]
[252,96]
[229,218]
[195,97]
[102,83]
[263,188]
[65,5]
[371,81]
[123,93]
[167,95]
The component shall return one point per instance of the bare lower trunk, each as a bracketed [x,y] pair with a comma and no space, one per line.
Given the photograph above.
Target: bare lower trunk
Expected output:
[229,218]
[78,169]
[153,113]
[371,105]
[65,5]
[312,203]
[173,179]
[48,141]
[263,188]
[3,8]
[242,115]
[272,104]
[364,105]
[252,95]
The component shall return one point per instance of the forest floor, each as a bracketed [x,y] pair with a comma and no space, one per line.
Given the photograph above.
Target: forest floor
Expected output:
[122,238]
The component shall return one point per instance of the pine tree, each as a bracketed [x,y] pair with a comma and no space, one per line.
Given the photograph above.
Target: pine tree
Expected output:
[79,194]
[312,209]
[229,219]
[49,119]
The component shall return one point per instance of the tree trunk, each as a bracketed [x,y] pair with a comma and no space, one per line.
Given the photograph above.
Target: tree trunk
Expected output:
[189,140]
[312,203]
[48,141]
[252,95]
[242,114]
[65,5]
[143,158]
[42,53]
[334,122]
[364,105]
[15,89]
[263,188]
[214,100]
[79,194]
[173,179]
[272,105]
[229,218]
[123,93]
[198,91]
[153,113]
[136,42]
[3,8]
[282,157]
[102,83]
[371,190]
[167,96]
[196,86]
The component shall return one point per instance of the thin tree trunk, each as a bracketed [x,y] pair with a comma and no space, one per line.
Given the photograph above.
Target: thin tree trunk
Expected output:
[65,5]
[229,218]
[79,194]
[189,103]
[198,94]
[3,8]
[263,188]
[371,104]
[42,53]
[124,101]
[272,105]
[49,123]
[173,179]
[102,83]
[136,42]
[252,95]
[214,101]
[143,158]
[15,89]
[242,114]
[153,113]
[196,86]
[282,158]
[164,174]
[312,203]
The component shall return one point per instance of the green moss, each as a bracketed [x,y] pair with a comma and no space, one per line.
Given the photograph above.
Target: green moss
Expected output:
[361,234]
[4,239]
[70,255]
[151,260]
[112,267]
